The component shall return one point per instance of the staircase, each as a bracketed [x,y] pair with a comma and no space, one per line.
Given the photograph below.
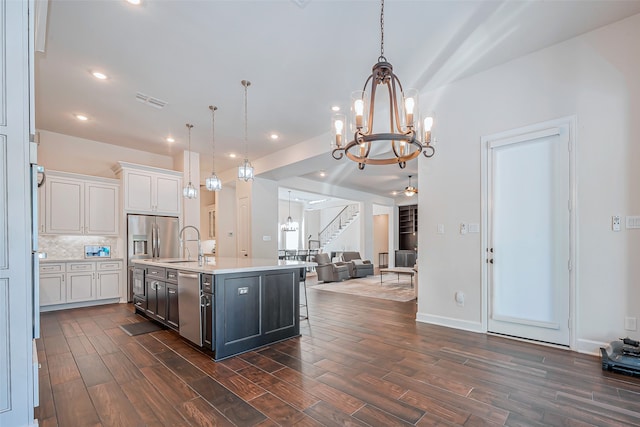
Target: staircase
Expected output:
[338,224]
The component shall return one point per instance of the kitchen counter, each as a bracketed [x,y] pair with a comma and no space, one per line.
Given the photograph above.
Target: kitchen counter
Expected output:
[49,260]
[228,305]
[225,265]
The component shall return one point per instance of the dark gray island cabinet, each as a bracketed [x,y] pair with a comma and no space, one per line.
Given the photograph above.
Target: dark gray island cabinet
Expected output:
[235,306]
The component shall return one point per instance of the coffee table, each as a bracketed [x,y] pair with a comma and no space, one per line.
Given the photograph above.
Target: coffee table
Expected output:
[398,270]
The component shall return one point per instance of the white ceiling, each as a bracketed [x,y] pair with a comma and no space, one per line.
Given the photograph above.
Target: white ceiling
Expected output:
[302,57]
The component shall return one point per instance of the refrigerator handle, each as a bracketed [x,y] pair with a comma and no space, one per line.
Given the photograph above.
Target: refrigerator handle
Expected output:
[154,246]
[157,242]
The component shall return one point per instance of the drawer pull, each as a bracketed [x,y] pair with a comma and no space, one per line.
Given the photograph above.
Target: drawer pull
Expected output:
[172,292]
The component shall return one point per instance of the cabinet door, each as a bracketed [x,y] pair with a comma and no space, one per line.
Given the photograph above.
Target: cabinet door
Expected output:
[80,287]
[108,284]
[172,306]
[279,308]
[138,191]
[152,297]
[65,206]
[101,209]
[161,299]
[167,194]
[238,298]
[52,289]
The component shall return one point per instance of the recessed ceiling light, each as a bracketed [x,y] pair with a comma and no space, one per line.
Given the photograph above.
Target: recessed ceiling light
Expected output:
[335,108]
[134,2]
[274,136]
[170,139]
[81,117]
[98,75]
[323,174]
[232,155]
[394,193]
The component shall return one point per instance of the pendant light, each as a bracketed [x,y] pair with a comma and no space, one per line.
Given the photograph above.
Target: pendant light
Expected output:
[212,182]
[189,191]
[397,144]
[245,170]
[410,190]
[290,225]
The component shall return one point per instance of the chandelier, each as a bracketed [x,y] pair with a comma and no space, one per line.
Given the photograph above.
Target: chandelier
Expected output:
[245,170]
[212,182]
[410,190]
[189,191]
[402,136]
[290,225]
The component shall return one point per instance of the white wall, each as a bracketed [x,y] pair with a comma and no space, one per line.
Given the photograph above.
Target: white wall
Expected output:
[226,222]
[70,154]
[595,77]
[264,218]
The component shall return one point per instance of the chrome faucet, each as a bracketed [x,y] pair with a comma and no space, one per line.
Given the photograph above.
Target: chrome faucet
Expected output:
[183,241]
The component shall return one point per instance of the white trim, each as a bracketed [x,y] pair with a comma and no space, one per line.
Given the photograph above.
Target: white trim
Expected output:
[535,131]
[589,346]
[66,306]
[450,322]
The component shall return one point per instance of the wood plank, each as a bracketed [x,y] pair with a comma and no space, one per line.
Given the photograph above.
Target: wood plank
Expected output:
[199,413]
[169,385]
[139,355]
[93,370]
[151,405]
[113,407]
[374,416]
[56,344]
[330,416]
[73,405]
[230,405]
[277,410]
[179,366]
[122,369]
[62,368]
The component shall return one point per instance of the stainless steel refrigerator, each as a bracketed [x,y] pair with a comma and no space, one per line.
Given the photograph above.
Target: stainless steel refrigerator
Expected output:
[148,237]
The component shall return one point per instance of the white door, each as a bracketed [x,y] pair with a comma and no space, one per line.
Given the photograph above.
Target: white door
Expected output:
[168,193]
[529,220]
[101,209]
[244,226]
[108,285]
[65,206]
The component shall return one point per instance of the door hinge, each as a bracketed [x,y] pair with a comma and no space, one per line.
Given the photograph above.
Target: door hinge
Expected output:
[569,323]
[569,205]
[569,265]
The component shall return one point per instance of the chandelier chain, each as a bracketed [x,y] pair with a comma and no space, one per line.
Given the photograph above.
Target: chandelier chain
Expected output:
[246,84]
[382,31]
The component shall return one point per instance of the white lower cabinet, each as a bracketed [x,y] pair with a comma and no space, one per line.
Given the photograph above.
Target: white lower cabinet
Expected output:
[79,282]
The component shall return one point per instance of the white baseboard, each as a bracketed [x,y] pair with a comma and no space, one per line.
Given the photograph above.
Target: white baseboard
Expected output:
[450,322]
[78,304]
[589,347]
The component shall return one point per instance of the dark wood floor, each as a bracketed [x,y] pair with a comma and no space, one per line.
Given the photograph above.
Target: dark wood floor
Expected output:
[358,362]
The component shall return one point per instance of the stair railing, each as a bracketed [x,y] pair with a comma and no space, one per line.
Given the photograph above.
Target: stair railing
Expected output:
[341,220]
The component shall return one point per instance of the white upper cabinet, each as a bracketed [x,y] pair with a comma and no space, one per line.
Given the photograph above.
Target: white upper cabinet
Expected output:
[80,204]
[150,190]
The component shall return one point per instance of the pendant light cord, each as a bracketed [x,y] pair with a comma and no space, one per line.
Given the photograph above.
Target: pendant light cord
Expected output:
[213,138]
[382,58]
[246,83]
[189,126]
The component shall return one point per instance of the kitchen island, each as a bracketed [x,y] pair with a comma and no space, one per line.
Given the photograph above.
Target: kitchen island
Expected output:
[228,305]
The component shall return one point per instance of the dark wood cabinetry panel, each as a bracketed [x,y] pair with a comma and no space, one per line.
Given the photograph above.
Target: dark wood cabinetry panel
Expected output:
[173,319]
[279,302]
[238,299]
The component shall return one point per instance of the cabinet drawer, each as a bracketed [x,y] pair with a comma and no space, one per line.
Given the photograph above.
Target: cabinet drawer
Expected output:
[51,268]
[172,276]
[109,265]
[156,272]
[81,266]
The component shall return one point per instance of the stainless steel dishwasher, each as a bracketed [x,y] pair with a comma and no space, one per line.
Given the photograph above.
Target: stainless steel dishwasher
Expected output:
[189,306]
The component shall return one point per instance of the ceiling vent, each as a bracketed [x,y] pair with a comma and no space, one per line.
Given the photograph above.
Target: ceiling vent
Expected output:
[150,101]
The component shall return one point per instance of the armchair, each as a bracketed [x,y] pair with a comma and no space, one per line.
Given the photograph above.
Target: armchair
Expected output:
[329,271]
[357,266]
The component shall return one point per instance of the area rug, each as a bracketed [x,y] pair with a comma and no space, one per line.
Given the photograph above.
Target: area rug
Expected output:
[140,328]
[391,288]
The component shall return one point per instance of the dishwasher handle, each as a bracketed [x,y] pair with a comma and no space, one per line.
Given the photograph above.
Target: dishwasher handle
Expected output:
[188,275]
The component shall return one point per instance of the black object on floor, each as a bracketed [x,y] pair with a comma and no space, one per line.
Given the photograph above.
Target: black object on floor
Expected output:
[140,328]
[622,356]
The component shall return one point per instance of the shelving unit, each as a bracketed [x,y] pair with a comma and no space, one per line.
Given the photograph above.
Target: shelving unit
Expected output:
[408,227]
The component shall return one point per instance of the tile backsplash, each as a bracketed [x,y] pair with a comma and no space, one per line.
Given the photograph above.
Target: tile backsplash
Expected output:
[72,247]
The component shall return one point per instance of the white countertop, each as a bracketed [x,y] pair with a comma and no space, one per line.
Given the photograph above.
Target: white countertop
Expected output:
[224,265]
[105,259]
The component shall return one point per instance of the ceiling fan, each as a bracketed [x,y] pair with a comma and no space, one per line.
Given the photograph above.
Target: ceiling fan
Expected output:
[410,190]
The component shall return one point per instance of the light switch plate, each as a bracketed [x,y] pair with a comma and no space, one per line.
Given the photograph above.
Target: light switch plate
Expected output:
[615,223]
[440,228]
[463,228]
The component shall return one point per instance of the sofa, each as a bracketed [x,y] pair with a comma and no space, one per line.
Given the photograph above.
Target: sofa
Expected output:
[330,271]
[357,266]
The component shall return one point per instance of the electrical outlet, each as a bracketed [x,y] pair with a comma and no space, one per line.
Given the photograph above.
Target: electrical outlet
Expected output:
[463,228]
[440,228]
[459,297]
[630,323]
[615,223]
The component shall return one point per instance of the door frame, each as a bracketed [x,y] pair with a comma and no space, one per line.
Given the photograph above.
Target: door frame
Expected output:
[525,133]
